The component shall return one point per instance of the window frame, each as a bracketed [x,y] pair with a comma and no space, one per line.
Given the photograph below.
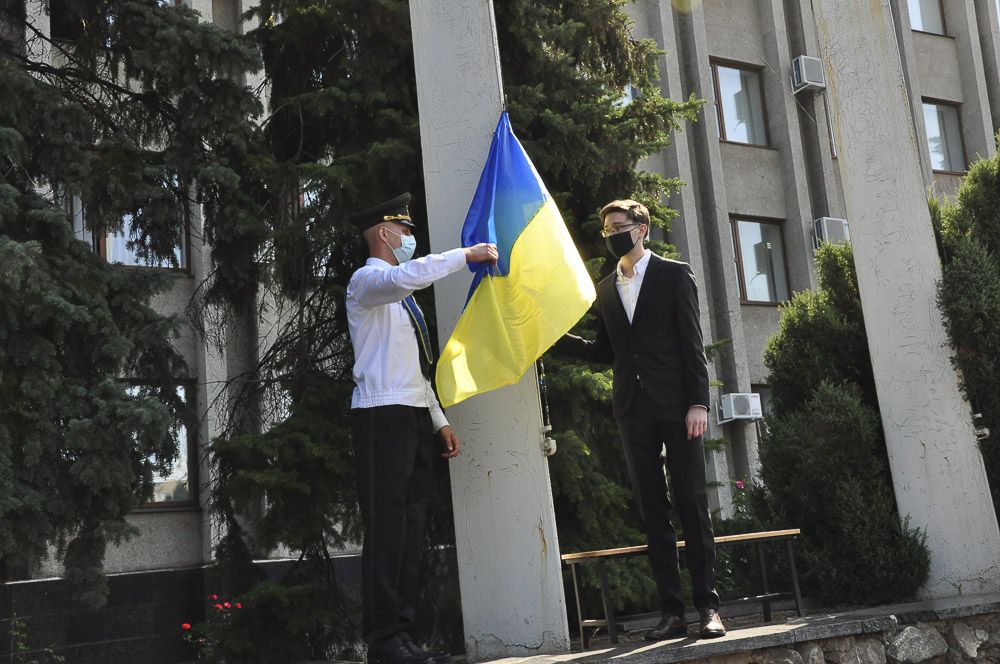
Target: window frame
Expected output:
[944,22]
[185,267]
[734,220]
[194,486]
[961,132]
[714,64]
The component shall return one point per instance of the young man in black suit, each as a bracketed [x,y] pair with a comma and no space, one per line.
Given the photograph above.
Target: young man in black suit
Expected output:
[648,327]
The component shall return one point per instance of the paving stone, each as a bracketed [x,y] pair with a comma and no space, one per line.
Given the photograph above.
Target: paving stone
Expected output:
[811,654]
[780,656]
[879,624]
[835,649]
[866,651]
[966,639]
[915,644]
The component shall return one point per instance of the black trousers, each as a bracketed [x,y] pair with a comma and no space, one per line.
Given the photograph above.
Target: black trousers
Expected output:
[394,454]
[644,430]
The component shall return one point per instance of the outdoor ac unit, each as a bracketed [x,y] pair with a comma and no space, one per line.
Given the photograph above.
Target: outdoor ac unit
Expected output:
[831,229]
[740,406]
[807,74]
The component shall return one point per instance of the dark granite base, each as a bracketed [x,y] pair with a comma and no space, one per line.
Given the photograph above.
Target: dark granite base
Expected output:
[141,622]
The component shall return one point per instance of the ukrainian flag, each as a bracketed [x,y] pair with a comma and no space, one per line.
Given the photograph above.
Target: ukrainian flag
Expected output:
[536,293]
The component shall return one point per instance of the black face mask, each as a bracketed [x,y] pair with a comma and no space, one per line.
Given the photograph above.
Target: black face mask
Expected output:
[620,243]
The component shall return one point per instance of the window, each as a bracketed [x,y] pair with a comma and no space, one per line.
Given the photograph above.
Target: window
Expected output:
[125,248]
[944,137]
[760,260]
[926,16]
[177,484]
[739,105]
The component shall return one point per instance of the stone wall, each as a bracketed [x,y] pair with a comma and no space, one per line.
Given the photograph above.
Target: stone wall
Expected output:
[971,639]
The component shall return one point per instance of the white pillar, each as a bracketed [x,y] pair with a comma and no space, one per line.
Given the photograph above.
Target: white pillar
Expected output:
[937,470]
[508,552]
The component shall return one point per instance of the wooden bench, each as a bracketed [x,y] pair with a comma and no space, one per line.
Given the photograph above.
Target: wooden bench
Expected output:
[611,623]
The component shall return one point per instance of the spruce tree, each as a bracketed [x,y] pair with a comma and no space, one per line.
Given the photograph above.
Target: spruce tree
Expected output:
[131,105]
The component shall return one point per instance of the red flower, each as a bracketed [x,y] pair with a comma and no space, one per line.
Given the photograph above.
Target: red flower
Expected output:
[740,485]
[218,607]
[227,605]
[238,605]
[186,627]
[213,597]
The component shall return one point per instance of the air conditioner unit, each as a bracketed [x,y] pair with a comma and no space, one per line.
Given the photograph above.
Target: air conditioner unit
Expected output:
[739,406]
[831,229]
[808,74]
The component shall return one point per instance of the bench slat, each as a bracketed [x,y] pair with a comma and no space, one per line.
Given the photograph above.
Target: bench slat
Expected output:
[764,536]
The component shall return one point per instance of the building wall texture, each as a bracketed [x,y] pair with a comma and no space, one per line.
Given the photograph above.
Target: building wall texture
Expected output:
[794,178]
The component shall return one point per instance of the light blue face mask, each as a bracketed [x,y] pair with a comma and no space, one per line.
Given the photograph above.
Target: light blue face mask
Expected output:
[404,252]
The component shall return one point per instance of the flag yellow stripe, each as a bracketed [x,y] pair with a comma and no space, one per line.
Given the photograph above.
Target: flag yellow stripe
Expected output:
[510,321]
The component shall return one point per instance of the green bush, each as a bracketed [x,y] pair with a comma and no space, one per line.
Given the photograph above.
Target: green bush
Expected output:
[969,297]
[823,458]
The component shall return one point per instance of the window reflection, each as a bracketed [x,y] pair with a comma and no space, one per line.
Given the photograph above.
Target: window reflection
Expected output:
[173,485]
[944,137]
[741,106]
[926,16]
[127,248]
[761,261]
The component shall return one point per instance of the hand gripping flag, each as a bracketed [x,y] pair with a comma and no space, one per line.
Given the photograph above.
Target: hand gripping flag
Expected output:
[536,293]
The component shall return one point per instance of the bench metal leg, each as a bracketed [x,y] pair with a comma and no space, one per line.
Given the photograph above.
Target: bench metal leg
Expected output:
[609,605]
[762,559]
[579,613]
[795,579]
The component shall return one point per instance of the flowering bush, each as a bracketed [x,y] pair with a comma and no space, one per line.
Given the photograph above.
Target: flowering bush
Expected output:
[203,638]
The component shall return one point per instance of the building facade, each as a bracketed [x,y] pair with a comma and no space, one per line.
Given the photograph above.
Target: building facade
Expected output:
[762,161]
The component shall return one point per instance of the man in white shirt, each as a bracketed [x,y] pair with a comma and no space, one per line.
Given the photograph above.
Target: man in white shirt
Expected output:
[395,419]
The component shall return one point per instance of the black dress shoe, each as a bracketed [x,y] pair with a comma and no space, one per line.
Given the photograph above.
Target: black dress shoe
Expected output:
[393,650]
[669,627]
[711,624]
[423,655]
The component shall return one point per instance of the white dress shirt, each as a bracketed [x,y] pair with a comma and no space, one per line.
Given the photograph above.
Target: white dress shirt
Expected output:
[628,287]
[386,353]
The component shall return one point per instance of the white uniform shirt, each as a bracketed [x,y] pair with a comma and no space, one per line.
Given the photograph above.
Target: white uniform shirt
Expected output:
[386,354]
[628,287]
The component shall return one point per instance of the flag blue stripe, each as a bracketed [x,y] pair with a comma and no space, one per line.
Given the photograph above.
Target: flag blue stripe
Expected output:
[509,194]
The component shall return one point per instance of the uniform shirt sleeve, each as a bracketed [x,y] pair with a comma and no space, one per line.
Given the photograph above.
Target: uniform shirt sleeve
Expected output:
[438,420]
[372,287]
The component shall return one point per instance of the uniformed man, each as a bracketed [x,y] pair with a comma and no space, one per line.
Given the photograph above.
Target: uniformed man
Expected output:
[395,420]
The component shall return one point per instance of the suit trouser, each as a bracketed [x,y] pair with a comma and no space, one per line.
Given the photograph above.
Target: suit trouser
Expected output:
[644,430]
[394,453]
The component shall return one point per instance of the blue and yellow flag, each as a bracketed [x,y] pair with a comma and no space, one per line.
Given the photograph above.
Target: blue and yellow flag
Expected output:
[536,293]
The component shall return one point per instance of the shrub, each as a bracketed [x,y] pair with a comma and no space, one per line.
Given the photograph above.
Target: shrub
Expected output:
[969,297]
[823,458]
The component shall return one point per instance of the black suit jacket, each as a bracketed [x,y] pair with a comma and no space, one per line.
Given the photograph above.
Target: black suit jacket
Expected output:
[662,349]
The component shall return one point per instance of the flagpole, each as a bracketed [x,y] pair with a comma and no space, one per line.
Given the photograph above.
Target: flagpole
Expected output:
[510,573]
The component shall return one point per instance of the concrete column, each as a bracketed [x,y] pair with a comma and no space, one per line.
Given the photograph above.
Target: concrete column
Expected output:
[989,40]
[783,122]
[722,292]
[977,124]
[508,551]
[937,470]
[656,21]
